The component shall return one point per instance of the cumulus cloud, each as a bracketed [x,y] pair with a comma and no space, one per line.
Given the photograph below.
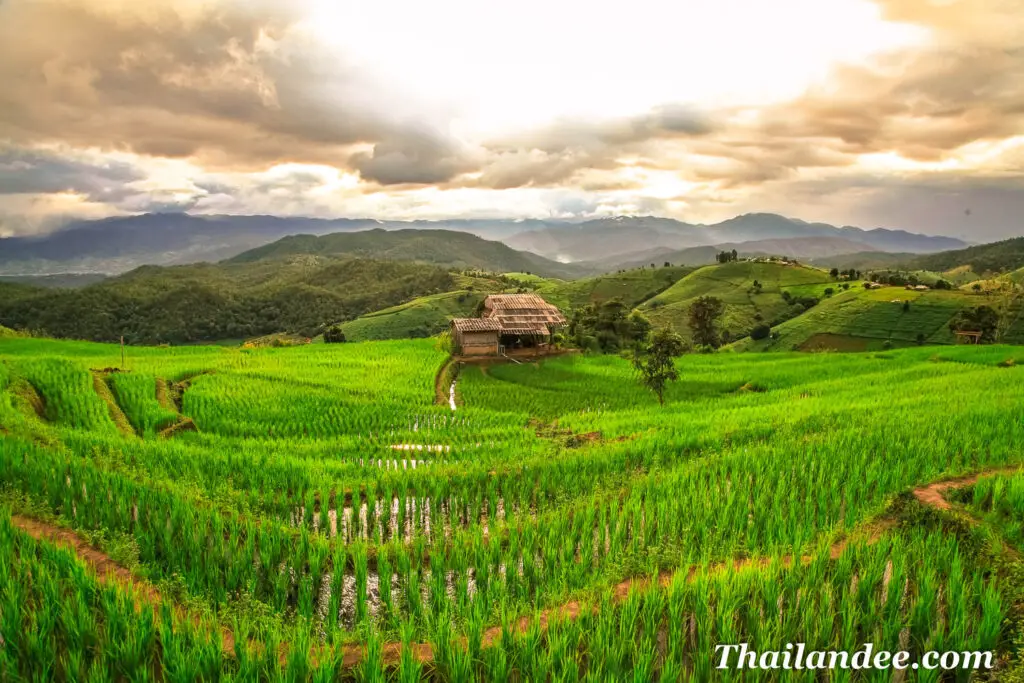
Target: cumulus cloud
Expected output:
[233,85]
[111,106]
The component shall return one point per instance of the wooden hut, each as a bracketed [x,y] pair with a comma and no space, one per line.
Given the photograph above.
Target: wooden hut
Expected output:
[508,322]
[476,336]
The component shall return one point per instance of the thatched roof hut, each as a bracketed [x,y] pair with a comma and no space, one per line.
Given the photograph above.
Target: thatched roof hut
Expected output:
[507,319]
[523,314]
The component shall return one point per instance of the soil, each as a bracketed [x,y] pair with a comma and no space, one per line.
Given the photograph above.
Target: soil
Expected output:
[184,424]
[932,493]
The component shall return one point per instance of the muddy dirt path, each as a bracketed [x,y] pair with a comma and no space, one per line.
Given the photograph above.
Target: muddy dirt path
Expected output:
[108,570]
[932,493]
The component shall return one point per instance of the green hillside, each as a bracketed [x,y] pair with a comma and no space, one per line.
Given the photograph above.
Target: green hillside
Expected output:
[428,315]
[733,284]
[860,320]
[863,260]
[632,286]
[440,247]
[995,257]
[210,302]
[422,317]
[956,276]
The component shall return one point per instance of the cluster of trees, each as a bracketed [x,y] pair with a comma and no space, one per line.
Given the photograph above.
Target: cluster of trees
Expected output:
[848,274]
[611,327]
[900,279]
[727,256]
[334,335]
[608,327]
[983,319]
[805,302]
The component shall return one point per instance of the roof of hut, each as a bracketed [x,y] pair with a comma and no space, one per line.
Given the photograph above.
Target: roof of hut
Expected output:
[476,324]
[522,313]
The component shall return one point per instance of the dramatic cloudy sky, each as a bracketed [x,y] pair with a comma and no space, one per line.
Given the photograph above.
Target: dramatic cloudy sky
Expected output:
[898,113]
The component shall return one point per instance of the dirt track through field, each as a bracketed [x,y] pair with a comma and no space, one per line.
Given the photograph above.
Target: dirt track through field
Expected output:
[932,493]
[110,571]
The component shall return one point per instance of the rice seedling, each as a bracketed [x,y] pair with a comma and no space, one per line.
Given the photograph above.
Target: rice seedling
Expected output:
[326,490]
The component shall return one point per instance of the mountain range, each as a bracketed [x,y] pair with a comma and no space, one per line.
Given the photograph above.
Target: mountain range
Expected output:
[116,245]
[459,250]
[597,240]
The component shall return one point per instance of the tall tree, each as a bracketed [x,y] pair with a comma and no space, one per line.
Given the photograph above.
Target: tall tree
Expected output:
[656,365]
[704,315]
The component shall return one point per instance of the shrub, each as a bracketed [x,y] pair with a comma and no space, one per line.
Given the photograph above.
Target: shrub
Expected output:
[760,332]
[334,335]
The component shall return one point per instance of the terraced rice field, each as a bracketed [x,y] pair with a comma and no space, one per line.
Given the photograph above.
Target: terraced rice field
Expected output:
[864,320]
[746,306]
[316,513]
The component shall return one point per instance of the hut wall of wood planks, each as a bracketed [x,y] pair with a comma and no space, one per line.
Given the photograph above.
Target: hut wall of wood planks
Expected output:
[507,321]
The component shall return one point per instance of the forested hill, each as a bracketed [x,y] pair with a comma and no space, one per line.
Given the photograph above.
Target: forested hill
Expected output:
[207,302]
[983,258]
[442,247]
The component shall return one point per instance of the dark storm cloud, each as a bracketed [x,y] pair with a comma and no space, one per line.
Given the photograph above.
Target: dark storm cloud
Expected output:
[34,172]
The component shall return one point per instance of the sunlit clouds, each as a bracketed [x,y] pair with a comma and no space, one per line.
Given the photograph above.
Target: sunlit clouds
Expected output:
[902,113]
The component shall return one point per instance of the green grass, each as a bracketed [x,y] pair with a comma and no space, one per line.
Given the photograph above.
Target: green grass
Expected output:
[136,395]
